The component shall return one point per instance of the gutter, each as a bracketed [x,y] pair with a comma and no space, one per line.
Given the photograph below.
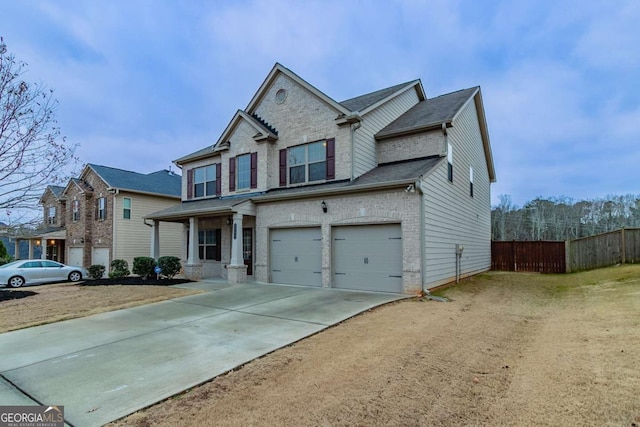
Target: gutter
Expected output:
[423,226]
[330,192]
[432,126]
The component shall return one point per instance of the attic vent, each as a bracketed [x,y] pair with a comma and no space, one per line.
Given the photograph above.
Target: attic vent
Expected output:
[265,124]
[281,96]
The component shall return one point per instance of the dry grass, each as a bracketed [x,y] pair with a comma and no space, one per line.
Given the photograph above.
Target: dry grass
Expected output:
[68,301]
[510,349]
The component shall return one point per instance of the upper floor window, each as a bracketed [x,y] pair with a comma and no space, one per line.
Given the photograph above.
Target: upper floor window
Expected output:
[126,208]
[308,163]
[101,208]
[243,172]
[75,210]
[203,181]
[51,215]
[471,181]
[450,162]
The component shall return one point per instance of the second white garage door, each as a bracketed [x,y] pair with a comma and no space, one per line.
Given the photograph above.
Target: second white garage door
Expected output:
[296,256]
[368,257]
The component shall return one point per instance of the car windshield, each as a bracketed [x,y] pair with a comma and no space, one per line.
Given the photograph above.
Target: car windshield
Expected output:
[11,264]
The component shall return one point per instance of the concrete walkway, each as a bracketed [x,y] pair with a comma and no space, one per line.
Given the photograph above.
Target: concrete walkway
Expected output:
[106,366]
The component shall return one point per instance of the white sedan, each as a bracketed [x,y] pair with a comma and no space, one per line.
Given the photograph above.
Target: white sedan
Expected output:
[34,271]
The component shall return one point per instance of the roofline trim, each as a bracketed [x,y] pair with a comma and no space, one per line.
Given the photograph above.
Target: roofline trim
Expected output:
[279,68]
[414,130]
[413,84]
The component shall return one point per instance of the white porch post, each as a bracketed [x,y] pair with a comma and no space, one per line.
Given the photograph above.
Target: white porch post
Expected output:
[44,249]
[155,240]
[185,239]
[16,248]
[194,256]
[236,241]
[31,249]
[193,267]
[236,270]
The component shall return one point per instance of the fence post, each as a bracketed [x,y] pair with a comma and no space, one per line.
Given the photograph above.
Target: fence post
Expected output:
[567,256]
[623,249]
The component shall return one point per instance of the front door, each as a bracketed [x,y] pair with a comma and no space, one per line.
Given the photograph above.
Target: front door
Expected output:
[247,249]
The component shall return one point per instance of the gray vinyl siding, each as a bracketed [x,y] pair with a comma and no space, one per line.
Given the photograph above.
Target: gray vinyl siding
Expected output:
[451,214]
[365,143]
[133,239]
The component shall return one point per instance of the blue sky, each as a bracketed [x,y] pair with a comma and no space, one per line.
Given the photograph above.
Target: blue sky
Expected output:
[141,83]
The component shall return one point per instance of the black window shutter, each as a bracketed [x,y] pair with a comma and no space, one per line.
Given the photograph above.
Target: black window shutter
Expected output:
[232,174]
[331,158]
[189,184]
[218,254]
[254,170]
[283,167]
[218,179]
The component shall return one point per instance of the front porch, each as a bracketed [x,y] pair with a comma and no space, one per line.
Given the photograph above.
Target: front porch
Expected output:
[45,244]
[218,242]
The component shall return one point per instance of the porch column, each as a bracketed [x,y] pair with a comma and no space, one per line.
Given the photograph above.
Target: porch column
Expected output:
[193,268]
[155,240]
[31,249]
[237,271]
[44,248]
[16,249]
[236,240]
[194,256]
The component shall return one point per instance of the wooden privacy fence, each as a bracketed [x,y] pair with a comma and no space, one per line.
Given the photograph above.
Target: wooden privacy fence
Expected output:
[602,250]
[538,256]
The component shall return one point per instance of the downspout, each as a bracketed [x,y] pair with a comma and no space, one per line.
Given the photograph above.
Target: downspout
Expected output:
[423,260]
[115,193]
[353,128]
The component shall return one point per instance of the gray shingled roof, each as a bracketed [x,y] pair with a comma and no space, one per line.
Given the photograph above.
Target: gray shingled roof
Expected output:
[361,102]
[162,182]
[56,190]
[428,113]
[189,208]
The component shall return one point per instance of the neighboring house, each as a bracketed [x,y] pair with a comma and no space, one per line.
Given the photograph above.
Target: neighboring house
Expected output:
[389,191]
[99,216]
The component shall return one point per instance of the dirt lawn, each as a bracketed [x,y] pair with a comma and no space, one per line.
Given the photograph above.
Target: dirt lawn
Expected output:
[510,349]
[67,301]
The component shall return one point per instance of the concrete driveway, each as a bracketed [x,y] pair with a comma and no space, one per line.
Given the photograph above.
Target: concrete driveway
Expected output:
[106,366]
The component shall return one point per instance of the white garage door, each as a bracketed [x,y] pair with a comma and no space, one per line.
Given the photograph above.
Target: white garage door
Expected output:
[368,257]
[296,256]
[101,256]
[76,256]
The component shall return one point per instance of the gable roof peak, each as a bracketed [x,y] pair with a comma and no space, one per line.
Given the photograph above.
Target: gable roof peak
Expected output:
[368,101]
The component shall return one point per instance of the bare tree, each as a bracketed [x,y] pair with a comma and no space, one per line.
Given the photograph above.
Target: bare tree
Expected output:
[33,154]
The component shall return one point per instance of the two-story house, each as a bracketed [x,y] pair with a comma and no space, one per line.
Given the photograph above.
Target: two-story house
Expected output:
[388,191]
[100,216]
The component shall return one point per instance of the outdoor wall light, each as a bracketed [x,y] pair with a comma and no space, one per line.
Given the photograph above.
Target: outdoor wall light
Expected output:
[82,240]
[229,220]
[37,242]
[323,205]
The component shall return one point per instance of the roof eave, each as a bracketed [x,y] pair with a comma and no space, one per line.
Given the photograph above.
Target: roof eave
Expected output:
[417,84]
[334,191]
[418,129]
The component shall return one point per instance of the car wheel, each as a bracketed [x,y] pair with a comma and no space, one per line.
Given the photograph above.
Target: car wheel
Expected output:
[75,276]
[16,281]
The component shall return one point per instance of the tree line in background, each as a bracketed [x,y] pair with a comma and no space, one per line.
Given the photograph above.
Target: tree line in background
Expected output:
[563,218]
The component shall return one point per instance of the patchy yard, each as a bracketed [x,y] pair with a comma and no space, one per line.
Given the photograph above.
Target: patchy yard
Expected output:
[64,301]
[510,349]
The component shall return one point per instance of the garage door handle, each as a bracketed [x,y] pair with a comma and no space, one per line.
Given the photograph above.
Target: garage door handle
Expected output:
[279,271]
[340,274]
[396,276]
[395,238]
[317,272]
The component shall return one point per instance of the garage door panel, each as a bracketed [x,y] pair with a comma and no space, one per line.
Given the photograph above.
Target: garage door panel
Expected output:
[76,256]
[368,257]
[296,256]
